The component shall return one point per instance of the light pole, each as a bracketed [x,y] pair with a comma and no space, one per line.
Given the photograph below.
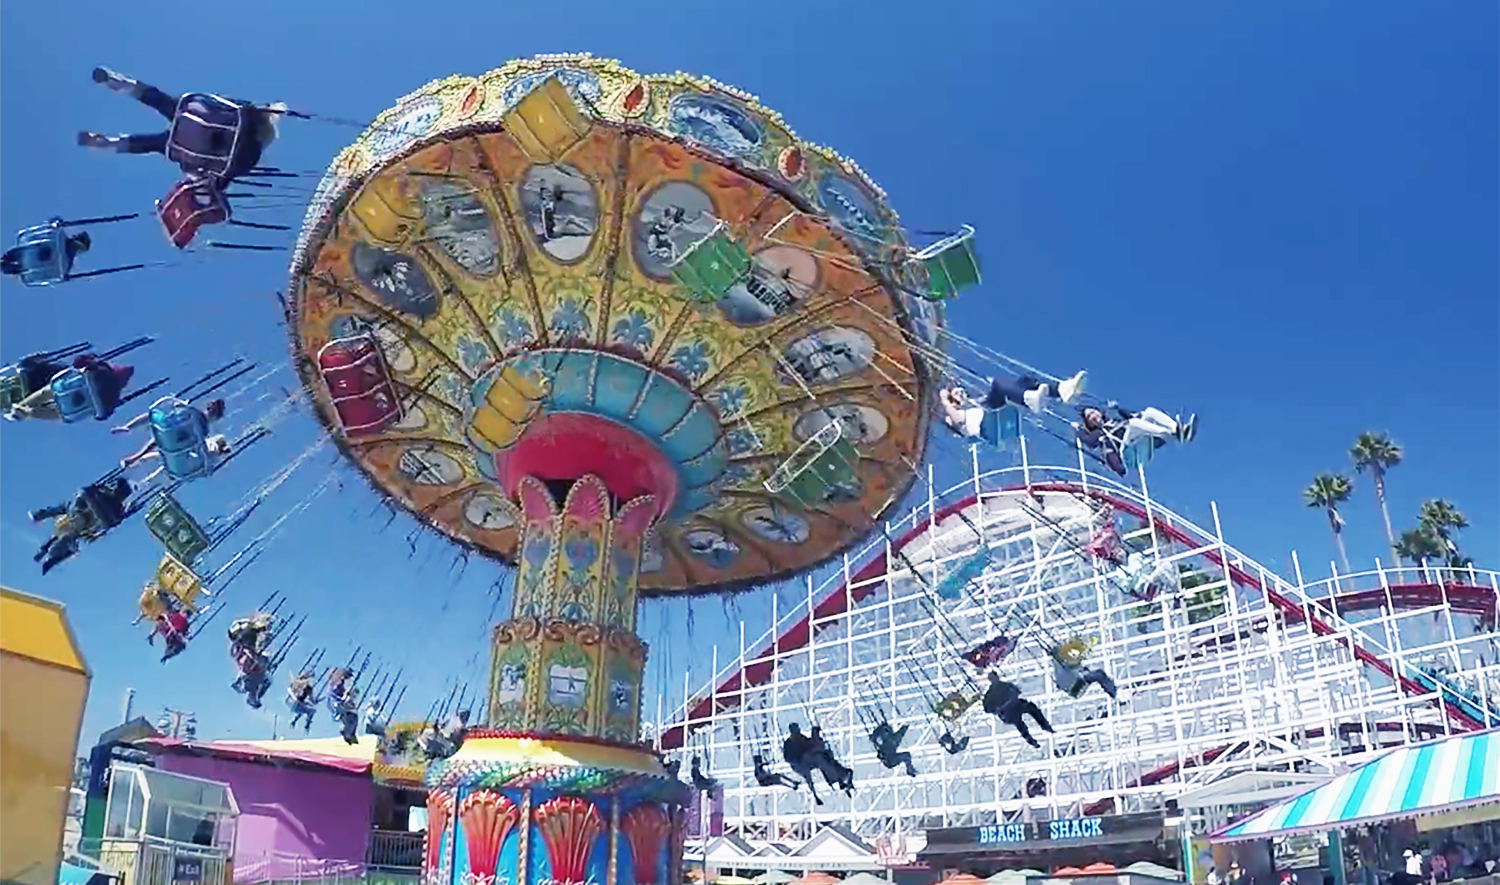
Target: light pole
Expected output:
[178,724]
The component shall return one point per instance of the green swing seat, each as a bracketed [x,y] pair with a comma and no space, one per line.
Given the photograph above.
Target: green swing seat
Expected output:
[951,264]
[954,705]
[13,388]
[824,461]
[711,266]
[176,529]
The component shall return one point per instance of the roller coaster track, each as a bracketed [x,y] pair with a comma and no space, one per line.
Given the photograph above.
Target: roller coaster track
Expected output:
[1322,615]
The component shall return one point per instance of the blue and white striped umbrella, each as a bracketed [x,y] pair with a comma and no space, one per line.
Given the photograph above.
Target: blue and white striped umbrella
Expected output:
[1453,773]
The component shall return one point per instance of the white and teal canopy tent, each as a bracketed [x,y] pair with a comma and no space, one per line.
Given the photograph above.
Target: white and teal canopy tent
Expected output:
[1446,775]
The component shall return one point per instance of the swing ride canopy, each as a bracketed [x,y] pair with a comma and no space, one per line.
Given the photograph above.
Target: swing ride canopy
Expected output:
[572,269]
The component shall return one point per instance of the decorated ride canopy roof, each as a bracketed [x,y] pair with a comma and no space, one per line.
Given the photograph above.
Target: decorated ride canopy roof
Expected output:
[564,267]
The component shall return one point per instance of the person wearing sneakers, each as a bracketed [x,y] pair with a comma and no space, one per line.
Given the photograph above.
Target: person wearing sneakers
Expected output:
[1108,431]
[207,129]
[964,415]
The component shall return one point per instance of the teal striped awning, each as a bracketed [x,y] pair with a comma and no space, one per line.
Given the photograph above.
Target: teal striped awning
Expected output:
[1444,775]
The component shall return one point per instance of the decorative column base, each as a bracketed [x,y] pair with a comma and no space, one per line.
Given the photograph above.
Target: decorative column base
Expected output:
[513,810]
[568,662]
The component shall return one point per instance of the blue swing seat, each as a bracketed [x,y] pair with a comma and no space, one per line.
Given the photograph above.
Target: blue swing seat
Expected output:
[78,393]
[206,134]
[181,434]
[1139,453]
[43,251]
[1001,427]
[971,568]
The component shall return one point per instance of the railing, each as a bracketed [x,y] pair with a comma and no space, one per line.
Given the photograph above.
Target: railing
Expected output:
[150,860]
[280,868]
[392,850]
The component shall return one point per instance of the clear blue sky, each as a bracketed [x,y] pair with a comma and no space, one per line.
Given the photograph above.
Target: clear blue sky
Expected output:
[1280,214]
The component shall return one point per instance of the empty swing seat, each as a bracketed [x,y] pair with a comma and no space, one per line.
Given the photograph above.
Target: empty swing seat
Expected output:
[181,434]
[547,123]
[824,460]
[188,206]
[971,568]
[835,467]
[206,134]
[359,385]
[43,252]
[711,266]
[176,529]
[951,264]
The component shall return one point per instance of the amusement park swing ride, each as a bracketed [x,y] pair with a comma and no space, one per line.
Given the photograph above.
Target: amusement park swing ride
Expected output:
[601,327]
[631,337]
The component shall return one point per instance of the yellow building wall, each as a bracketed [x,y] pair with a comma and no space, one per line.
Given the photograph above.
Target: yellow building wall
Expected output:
[43,687]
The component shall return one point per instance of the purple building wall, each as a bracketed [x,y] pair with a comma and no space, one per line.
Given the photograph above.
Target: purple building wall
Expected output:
[295,823]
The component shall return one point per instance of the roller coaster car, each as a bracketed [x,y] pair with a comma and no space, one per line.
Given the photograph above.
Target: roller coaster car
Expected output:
[951,264]
[546,123]
[176,529]
[189,205]
[359,384]
[206,134]
[711,266]
[92,391]
[43,253]
[181,434]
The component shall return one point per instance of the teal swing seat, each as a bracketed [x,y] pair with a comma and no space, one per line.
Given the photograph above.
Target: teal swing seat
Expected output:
[1001,427]
[711,266]
[951,264]
[968,570]
[1139,453]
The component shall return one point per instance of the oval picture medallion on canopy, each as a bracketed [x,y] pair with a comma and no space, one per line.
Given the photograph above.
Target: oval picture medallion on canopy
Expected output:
[563,268]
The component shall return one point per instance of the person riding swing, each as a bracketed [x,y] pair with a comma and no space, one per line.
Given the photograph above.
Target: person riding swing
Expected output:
[887,741]
[768,778]
[701,782]
[1003,700]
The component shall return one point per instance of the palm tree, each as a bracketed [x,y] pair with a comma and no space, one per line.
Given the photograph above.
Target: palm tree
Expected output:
[1420,545]
[1443,519]
[1377,453]
[1205,604]
[1327,492]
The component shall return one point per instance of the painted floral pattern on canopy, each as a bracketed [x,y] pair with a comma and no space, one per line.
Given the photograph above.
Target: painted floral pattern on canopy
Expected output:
[465,244]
